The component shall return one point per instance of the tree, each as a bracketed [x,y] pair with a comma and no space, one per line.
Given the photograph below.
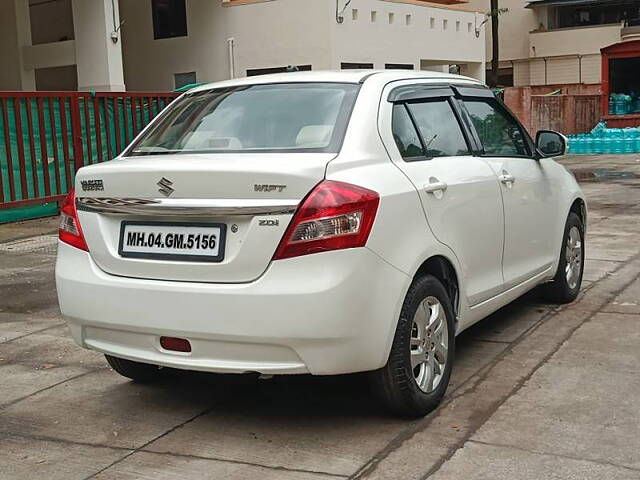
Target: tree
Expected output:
[494,13]
[495,44]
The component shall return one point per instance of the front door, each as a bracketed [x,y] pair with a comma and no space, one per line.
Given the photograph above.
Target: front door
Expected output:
[528,197]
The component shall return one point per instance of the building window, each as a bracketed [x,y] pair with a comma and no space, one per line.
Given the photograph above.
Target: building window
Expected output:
[169,18]
[391,18]
[457,26]
[374,14]
[356,66]
[265,71]
[599,13]
[398,66]
[445,24]
[432,22]
[182,79]
[469,27]
[354,14]
[407,20]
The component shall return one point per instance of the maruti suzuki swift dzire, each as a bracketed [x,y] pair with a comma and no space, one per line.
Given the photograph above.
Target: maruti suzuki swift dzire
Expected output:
[318,223]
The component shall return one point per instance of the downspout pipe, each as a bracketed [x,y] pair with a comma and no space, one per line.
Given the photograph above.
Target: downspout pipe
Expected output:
[232,63]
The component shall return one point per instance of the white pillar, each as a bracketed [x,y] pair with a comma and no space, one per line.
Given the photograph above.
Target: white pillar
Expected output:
[15,33]
[98,57]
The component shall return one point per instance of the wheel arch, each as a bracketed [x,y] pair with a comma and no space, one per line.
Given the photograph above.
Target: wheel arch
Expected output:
[579,207]
[443,269]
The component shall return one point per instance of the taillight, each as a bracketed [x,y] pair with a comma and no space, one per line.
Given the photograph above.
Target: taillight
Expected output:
[70,231]
[335,215]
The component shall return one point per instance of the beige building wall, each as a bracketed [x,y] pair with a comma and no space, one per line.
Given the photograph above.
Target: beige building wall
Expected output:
[592,68]
[295,32]
[76,36]
[408,34]
[514,28]
[581,44]
[268,34]
[573,41]
[15,33]
[521,72]
[51,21]
[10,77]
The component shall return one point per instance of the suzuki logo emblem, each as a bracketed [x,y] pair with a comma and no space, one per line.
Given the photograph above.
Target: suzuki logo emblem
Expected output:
[165,186]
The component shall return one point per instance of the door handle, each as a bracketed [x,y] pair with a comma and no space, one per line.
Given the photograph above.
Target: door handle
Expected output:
[506,178]
[433,187]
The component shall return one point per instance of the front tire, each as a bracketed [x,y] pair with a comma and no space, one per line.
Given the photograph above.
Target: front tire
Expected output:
[565,286]
[138,372]
[416,376]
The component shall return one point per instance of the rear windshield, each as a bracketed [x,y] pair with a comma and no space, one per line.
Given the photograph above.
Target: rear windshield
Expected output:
[293,117]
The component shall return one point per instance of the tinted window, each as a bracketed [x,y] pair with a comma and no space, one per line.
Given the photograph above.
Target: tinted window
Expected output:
[274,117]
[404,133]
[499,133]
[439,128]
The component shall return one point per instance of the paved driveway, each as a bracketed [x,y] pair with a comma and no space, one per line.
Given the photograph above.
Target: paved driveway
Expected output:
[538,391]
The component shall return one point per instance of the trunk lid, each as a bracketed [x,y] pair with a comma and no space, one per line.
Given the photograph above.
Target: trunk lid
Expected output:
[208,189]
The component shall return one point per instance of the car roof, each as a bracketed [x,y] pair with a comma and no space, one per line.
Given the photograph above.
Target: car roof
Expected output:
[337,76]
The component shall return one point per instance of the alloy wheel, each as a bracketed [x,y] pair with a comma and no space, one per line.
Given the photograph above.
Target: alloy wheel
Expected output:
[429,344]
[573,257]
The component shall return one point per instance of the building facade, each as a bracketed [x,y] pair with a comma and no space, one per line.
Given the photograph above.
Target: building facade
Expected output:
[555,42]
[159,45]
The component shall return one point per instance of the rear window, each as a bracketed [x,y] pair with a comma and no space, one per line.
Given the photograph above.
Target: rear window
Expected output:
[293,117]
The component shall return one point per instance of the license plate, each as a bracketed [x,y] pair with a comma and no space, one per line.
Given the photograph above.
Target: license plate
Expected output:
[197,242]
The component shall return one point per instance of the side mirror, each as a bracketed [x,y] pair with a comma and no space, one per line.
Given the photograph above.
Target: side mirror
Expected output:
[550,144]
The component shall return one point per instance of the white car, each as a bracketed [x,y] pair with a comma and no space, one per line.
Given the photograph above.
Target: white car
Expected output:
[317,223]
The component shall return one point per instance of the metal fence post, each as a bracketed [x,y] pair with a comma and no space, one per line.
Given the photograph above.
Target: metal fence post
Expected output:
[76,132]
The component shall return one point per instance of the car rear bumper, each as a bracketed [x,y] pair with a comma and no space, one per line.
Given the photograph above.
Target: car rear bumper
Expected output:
[326,313]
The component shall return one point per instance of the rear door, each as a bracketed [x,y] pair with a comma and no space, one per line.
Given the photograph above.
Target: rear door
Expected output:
[528,196]
[459,192]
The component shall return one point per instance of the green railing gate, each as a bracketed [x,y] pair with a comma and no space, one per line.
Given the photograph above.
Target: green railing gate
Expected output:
[45,137]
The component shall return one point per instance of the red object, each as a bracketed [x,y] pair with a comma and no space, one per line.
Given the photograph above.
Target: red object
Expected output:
[628,49]
[43,145]
[175,344]
[330,199]
[70,231]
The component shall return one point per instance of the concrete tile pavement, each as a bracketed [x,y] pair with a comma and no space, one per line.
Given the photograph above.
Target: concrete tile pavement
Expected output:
[29,458]
[153,466]
[627,302]
[489,462]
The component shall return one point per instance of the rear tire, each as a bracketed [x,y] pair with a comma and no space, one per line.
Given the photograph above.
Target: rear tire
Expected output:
[565,286]
[138,372]
[417,374]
